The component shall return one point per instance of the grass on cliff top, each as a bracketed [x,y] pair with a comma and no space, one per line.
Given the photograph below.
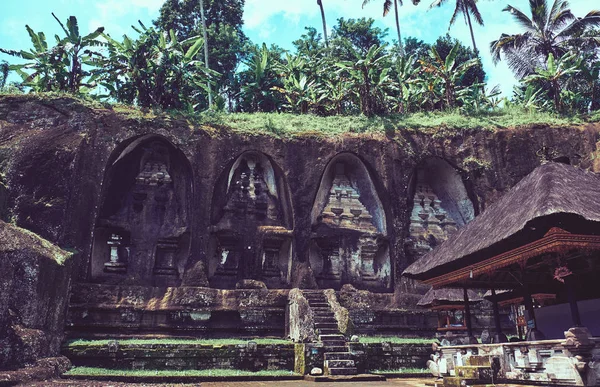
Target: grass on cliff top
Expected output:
[217,372]
[394,340]
[214,342]
[287,125]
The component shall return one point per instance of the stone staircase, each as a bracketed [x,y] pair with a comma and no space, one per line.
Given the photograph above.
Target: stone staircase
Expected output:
[337,359]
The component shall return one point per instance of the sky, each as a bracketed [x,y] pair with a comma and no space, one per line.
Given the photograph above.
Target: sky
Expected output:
[276,21]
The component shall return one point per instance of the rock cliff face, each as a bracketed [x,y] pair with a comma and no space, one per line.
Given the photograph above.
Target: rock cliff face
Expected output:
[60,160]
[147,201]
[34,278]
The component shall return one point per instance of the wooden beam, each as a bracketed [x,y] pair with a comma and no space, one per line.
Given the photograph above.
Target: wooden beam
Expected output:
[555,241]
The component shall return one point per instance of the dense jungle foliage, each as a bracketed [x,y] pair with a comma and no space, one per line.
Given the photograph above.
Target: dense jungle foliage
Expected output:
[347,70]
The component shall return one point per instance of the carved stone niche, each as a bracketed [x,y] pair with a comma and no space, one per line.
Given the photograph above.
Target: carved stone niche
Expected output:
[142,227]
[251,233]
[349,243]
[440,206]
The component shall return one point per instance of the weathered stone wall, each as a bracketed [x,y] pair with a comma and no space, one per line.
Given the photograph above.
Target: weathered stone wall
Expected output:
[250,357]
[121,311]
[367,357]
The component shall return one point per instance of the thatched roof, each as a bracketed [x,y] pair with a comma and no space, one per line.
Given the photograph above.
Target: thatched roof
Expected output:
[552,188]
[447,296]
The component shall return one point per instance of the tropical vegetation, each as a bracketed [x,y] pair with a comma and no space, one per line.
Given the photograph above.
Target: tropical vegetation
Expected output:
[196,57]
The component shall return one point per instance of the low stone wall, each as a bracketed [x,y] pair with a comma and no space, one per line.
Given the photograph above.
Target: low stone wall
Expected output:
[368,357]
[572,361]
[116,311]
[251,356]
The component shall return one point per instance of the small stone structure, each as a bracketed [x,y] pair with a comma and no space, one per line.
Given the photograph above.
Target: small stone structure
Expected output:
[571,361]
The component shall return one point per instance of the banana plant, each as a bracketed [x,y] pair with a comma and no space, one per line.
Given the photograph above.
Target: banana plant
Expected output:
[475,98]
[369,75]
[155,70]
[57,68]
[259,87]
[554,74]
[447,70]
[530,98]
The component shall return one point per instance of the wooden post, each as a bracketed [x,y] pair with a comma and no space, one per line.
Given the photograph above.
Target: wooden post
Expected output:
[500,337]
[575,316]
[468,314]
[532,332]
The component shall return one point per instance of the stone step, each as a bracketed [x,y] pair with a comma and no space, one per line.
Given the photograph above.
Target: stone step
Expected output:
[326,325]
[325,320]
[332,337]
[319,305]
[327,331]
[343,371]
[339,363]
[321,309]
[338,355]
[328,348]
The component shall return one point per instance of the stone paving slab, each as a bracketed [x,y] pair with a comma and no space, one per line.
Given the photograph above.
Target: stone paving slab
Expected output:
[400,382]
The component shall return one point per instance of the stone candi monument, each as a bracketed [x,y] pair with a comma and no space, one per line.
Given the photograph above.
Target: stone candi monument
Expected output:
[349,238]
[142,230]
[251,234]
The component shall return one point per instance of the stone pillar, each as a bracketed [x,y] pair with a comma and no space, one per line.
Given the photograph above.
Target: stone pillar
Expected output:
[499,337]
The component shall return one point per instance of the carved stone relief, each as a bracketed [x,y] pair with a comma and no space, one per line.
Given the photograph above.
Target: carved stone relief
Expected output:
[251,234]
[349,248]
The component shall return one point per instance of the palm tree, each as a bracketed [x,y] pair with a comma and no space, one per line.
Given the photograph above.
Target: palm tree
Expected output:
[387,4]
[550,30]
[320,4]
[466,7]
[204,34]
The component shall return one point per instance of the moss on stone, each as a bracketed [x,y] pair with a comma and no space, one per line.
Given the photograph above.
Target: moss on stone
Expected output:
[342,315]
[16,238]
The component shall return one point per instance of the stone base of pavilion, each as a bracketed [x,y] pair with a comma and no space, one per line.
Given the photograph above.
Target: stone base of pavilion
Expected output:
[573,361]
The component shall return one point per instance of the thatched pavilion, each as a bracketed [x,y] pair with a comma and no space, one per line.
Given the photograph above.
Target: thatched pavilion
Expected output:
[543,236]
[451,308]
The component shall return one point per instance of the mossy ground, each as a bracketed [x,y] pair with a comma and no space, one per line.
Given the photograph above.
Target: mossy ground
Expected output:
[403,371]
[212,342]
[92,371]
[394,340]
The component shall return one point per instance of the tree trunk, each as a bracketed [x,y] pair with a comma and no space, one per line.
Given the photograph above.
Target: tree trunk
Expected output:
[466,11]
[320,3]
[398,28]
[205,36]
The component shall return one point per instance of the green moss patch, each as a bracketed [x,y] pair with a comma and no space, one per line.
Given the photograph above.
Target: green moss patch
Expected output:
[207,342]
[411,371]
[394,340]
[95,372]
